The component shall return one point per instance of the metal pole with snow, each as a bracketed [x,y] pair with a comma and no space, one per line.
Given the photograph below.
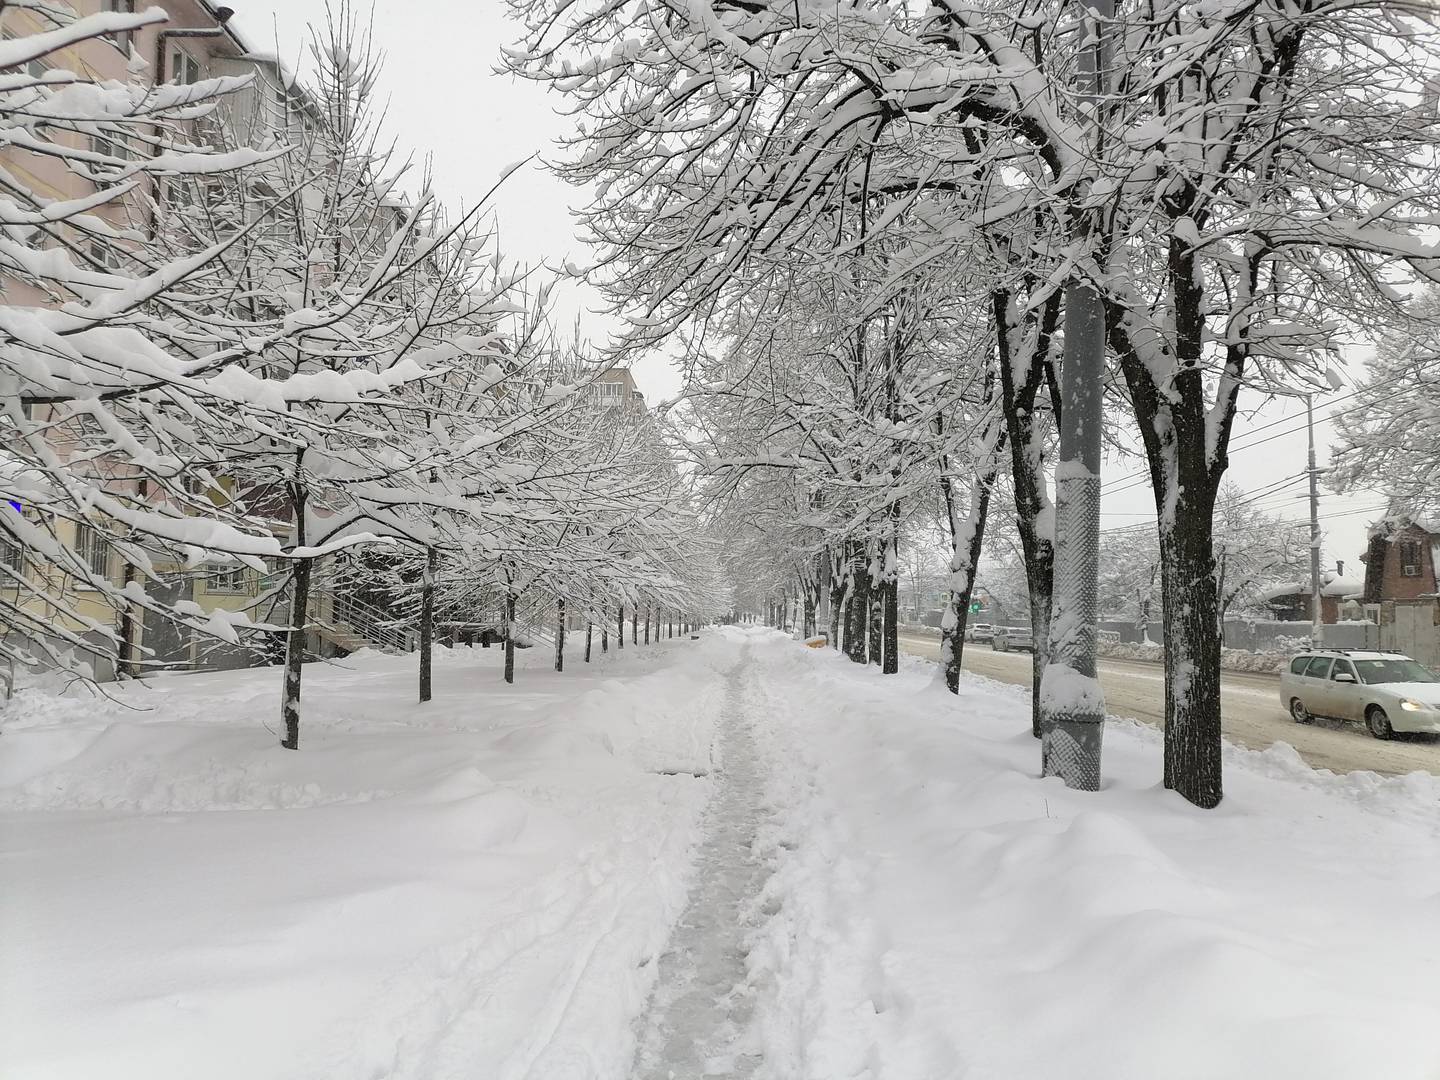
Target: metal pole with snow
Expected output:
[1072,705]
[1316,612]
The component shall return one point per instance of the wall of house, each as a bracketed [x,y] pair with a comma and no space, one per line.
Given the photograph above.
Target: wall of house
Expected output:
[1394,583]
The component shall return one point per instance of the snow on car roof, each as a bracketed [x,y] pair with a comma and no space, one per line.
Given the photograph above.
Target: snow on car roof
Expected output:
[1354,654]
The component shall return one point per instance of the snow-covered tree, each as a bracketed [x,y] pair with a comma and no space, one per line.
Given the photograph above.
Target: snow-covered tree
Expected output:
[1388,436]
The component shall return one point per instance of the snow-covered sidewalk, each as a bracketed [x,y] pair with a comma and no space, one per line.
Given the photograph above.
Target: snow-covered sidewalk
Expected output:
[472,888]
[726,857]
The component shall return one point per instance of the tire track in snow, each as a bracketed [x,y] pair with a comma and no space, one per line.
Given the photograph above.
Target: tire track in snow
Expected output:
[698,1021]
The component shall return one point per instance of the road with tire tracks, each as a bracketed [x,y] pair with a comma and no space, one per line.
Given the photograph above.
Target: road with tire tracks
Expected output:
[1250,711]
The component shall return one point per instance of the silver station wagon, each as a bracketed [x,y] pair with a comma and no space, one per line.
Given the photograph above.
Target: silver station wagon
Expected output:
[1387,692]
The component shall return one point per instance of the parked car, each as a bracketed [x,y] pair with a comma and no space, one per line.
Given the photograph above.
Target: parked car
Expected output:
[1013,638]
[982,631]
[1387,692]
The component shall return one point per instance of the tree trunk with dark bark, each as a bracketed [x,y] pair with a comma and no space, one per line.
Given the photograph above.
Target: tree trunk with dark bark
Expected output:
[875,616]
[1192,648]
[589,637]
[858,616]
[891,630]
[509,639]
[1026,369]
[1186,440]
[560,635]
[839,587]
[295,653]
[427,624]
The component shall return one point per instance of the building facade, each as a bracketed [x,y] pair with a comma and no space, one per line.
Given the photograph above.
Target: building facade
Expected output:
[196,43]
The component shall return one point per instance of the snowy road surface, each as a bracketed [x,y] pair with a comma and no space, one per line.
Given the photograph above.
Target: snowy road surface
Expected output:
[732,857]
[1251,714]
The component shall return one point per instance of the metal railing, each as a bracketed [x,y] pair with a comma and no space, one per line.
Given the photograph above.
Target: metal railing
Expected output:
[365,620]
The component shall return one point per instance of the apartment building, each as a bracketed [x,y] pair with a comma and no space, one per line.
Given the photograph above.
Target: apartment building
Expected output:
[198,42]
[616,389]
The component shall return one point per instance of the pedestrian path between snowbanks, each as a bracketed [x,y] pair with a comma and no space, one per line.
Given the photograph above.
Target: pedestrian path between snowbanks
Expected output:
[699,1019]
[942,912]
[477,887]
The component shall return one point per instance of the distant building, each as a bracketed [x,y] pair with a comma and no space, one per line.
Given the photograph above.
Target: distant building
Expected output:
[1401,561]
[616,388]
[1290,601]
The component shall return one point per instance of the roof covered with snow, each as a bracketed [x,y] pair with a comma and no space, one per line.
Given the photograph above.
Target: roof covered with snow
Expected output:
[1331,584]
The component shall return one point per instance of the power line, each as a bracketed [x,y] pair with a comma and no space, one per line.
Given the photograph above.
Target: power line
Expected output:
[1140,477]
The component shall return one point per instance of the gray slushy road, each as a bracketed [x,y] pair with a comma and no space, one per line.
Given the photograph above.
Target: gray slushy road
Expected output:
[1250,711]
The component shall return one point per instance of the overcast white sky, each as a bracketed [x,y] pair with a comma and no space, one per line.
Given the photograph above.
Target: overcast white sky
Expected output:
[445,102]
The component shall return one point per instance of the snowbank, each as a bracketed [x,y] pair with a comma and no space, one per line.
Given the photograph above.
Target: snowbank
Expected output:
[1230,659]
[475,887]
[942,912]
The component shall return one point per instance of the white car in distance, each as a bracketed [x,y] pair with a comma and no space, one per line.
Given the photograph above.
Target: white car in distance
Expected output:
[1017,638]
[1387,692]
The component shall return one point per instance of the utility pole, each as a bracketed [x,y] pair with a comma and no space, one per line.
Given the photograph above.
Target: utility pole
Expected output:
[1072,706]
[1316,623]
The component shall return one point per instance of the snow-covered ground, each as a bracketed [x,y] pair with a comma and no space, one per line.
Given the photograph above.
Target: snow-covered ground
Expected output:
[495,885]
[473,888]
[943,913]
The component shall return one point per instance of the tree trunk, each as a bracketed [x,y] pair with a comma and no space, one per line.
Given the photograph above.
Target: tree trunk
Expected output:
[620,628]
[839,584]
[891,630]
[295,653]
[1192,650]
[634,626]
[560,635]
[509,639]
[589,636]
[125,666]
[809,618]
[1025,370]
[647,626]
[875,614]
[427,623]
[604,640]
[858,613]
[1185,445]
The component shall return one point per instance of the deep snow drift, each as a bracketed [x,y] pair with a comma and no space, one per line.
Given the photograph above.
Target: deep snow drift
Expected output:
[489,886]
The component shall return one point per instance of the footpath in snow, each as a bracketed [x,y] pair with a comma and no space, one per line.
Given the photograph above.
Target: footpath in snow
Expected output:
[474,888]
[730,857]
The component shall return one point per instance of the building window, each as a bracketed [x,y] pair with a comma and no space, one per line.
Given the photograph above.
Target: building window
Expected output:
[12,555]
[34,68]
[184,68]
[120,38]
[105,254]
[117,147]
[229,580]
[90,546]
[1410,558]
